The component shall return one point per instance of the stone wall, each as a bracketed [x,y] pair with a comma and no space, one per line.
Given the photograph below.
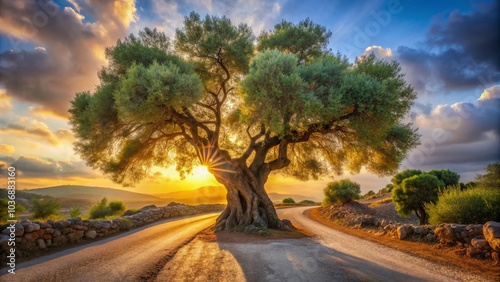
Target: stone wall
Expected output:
[33,238]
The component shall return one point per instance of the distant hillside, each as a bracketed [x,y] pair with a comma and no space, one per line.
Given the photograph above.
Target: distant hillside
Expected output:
[94,194]
[276,197]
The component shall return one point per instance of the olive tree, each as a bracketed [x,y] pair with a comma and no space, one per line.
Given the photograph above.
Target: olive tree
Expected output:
[245,107]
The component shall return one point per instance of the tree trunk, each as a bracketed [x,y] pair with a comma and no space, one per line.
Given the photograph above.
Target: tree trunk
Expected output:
[249,208]
[422,215]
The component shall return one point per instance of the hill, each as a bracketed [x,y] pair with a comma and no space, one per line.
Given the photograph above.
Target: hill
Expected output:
[94,194]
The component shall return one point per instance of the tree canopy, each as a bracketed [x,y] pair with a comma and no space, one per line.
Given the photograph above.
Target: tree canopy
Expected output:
[243,106]
[413,189]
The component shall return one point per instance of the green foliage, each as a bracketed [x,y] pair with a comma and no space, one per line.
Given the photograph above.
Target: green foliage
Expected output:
[491,179]
[342,191]
[368,194]
[44,208]
[446,176]
[475,205]
[288,201]
[307,202]
[103,209]
[4,210]
[75,212]
[100,210]
[116,207]
[161,103]
[400,176]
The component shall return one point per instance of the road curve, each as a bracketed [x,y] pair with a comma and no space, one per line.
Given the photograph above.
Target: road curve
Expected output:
[126,257]
[364,260]
[329,256]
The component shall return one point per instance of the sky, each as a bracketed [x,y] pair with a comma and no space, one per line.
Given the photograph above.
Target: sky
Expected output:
[449,51]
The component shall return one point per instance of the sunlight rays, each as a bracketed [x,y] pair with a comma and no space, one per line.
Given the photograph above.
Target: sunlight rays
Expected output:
[213,160]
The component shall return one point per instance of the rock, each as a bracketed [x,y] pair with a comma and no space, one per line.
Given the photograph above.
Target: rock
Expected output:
[56,233]
[472,252]
[61,240]
[418,230]
[41,244]
[404,231]
[30,227]
[491,232]
[445,234]
[49,230]
[90,234]
[495,256]
[480,244]
[19,230]
[174,204]
[430,237]
[128,212]
[150,207]
[71,237]
[48,242]
[31,236]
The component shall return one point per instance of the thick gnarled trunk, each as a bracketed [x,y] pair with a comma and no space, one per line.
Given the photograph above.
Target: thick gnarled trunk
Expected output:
[249,208]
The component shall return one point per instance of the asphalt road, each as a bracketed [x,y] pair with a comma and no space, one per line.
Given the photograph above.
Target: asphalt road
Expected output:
[126,257]
[330,256]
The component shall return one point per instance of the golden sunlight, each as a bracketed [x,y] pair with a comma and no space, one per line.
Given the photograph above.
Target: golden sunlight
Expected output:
[201,172]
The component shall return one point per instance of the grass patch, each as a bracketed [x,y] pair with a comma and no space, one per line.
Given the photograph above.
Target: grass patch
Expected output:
[380,202]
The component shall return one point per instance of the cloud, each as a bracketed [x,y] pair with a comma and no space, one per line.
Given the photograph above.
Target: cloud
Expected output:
[379,51]
[459,135]
[5,101]
[459,53]
[70,50]
[6,149]
[34,167]
[35,128]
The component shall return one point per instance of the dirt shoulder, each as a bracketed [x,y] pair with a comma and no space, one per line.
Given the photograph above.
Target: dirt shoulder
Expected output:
[434,252]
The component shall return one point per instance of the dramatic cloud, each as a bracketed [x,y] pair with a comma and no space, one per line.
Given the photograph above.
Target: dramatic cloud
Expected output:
[34,167]
[379,51]
[461,135]
[70,50]
[6,149]
[35,128]
[459,53]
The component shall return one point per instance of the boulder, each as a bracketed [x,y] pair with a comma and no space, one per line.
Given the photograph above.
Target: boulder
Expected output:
[445,234]
[30,227]
[150,207]
[41,244]
[90,234]
[480,244]
[491,232]
[129,212]
[19,230]
[472,252]
[31,236]
[174,204]
[404,231]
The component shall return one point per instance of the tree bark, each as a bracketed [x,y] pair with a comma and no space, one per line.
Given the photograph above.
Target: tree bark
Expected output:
[249,208]
[422,215]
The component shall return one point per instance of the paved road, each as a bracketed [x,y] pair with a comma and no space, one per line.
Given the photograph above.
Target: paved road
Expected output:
[330,256]
[126,257]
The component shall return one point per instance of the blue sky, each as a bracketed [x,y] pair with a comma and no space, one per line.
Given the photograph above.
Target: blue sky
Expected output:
[448,50]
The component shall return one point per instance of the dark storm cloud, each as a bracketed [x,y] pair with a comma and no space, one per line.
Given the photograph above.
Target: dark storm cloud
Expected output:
[459,53]
[70,54]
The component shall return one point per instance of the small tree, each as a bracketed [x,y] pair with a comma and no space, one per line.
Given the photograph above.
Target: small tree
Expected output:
[446,176]
[414,192]
[307,202]
[43,208]
[116,207]
[100,210]
[491,179]
[75,212]
[288,201]
[369,193]
[342,191]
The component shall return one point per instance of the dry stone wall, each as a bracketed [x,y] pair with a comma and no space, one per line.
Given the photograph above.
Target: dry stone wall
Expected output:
[33,238]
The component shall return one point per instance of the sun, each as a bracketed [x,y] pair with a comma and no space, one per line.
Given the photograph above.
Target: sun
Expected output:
[201,172]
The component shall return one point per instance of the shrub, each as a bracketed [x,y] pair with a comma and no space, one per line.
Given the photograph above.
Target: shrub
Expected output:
[288,201]
[100,210]
[75,212]
[307,202]
[342,191]
[476,205]
[43,208]
[491,179]
[369,193]
[4,210]
[116,207]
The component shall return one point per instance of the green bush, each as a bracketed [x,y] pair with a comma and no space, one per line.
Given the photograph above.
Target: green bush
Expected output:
[102,209]
[43,208]
[288,201]
[342,191]
[4,210]
[116,207]
[75,212]
[368,194]
[476,205]
[307,202]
